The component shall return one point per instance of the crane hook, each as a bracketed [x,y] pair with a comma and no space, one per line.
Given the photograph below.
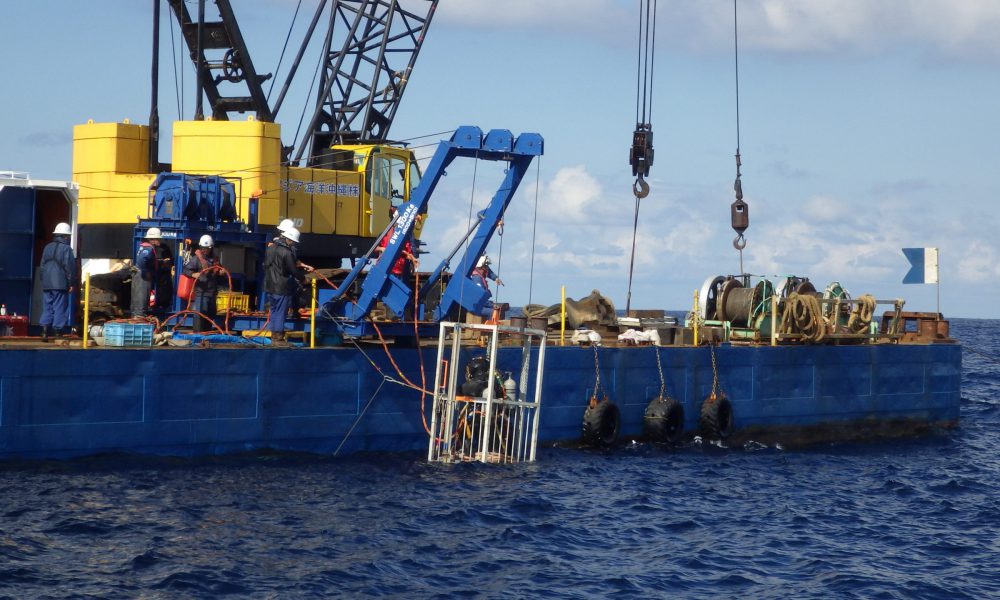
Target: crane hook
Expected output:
[640,188]
[740,242]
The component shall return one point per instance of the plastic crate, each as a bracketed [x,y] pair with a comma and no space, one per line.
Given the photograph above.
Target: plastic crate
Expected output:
[232,301]
[128,334]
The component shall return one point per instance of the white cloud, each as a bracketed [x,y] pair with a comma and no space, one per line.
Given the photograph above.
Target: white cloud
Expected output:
[947,29]
[825,209]
[572,195]
[978,263]
[569,16]
[584,239]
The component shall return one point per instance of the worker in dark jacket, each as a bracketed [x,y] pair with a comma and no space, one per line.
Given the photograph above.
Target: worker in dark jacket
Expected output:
[206,287]
[165,276]
[284,226]
[144,281]
[58,272]
[281,278]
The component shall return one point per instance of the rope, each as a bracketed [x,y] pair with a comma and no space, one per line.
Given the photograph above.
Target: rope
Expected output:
[288,36]
[534,226]
[638,65]
[422,388]
[802,315]
[229,278]
[982,354]
[740,242]
[652,62]
[645,66]
[499,256]
[472,199]
[178,88]
[298,128]
[361,414]
[736,60]
[416,338]
[861,315]
[631,262]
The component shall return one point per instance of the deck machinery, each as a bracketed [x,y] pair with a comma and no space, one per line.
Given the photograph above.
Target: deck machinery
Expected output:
[345,173]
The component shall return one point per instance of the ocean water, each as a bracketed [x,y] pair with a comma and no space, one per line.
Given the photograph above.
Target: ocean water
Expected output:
[915,518]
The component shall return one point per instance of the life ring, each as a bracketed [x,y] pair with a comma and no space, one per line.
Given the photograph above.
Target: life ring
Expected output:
[601,423]
[716,420]
[664,420]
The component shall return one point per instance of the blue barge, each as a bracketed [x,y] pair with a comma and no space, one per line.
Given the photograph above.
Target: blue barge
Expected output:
[59,403]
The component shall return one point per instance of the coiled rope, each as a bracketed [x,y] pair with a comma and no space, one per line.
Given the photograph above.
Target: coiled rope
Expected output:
[803,315]
[861,315]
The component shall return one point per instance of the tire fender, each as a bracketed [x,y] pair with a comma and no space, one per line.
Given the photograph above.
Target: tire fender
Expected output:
[601,423]
[663,421]
[716,419]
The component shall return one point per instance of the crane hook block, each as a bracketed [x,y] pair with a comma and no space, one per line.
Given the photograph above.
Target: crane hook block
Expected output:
[740,211]
[641,154]
[640,188]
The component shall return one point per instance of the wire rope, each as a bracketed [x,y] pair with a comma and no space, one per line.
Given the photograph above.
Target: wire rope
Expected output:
[472,198]
[631,263]
[305,107]
[644,86]
[283,49]
[739,243]
[534,228]
[173,61]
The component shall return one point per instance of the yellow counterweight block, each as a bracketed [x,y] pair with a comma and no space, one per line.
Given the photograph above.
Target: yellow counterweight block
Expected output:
[247,153]
[111,164]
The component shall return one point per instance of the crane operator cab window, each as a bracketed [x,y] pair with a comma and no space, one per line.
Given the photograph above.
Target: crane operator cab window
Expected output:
[387,176]
[414,177]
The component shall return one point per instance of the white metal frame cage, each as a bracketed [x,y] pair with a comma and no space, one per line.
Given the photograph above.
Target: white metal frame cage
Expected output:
[498,426]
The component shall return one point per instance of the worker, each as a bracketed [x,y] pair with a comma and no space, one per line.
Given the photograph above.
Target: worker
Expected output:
[284,226]
[279,272]
[294,306]
[58,272]
[401,267]
[483,273]
[200,266]
[165,276]
[147,273]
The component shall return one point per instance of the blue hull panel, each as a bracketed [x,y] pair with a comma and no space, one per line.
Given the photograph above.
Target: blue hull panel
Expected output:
[64,402]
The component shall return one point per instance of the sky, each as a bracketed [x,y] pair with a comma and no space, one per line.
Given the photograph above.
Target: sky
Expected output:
[865,126]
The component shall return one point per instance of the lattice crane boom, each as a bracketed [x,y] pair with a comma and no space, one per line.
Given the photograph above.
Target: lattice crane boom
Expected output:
[368,53]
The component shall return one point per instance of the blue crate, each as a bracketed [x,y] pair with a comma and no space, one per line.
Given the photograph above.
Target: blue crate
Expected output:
[128,334]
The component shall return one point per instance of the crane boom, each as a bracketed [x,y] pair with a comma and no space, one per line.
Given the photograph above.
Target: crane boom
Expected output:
[369,49]
[227,61]
[366,73]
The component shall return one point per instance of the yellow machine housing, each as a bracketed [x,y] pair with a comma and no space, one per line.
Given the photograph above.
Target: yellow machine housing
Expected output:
[110,161]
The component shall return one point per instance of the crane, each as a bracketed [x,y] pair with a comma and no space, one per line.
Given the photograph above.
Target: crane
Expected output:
[369,49]
[345,176]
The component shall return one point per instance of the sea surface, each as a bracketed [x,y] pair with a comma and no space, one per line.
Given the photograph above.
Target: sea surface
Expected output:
[916,518]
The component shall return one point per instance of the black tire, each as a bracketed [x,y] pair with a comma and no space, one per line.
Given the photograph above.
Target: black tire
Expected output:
[716,420]
[663,421]
[601,424]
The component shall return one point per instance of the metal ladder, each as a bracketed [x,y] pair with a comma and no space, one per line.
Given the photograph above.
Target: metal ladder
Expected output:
[498,426]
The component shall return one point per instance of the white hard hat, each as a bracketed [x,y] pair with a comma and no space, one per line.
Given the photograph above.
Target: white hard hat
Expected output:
[292,234]
[206,241]
[483,261]
[153,233]
[63,229]
[285,225]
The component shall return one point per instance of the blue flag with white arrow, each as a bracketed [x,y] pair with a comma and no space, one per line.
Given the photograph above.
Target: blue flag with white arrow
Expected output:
[924,265]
